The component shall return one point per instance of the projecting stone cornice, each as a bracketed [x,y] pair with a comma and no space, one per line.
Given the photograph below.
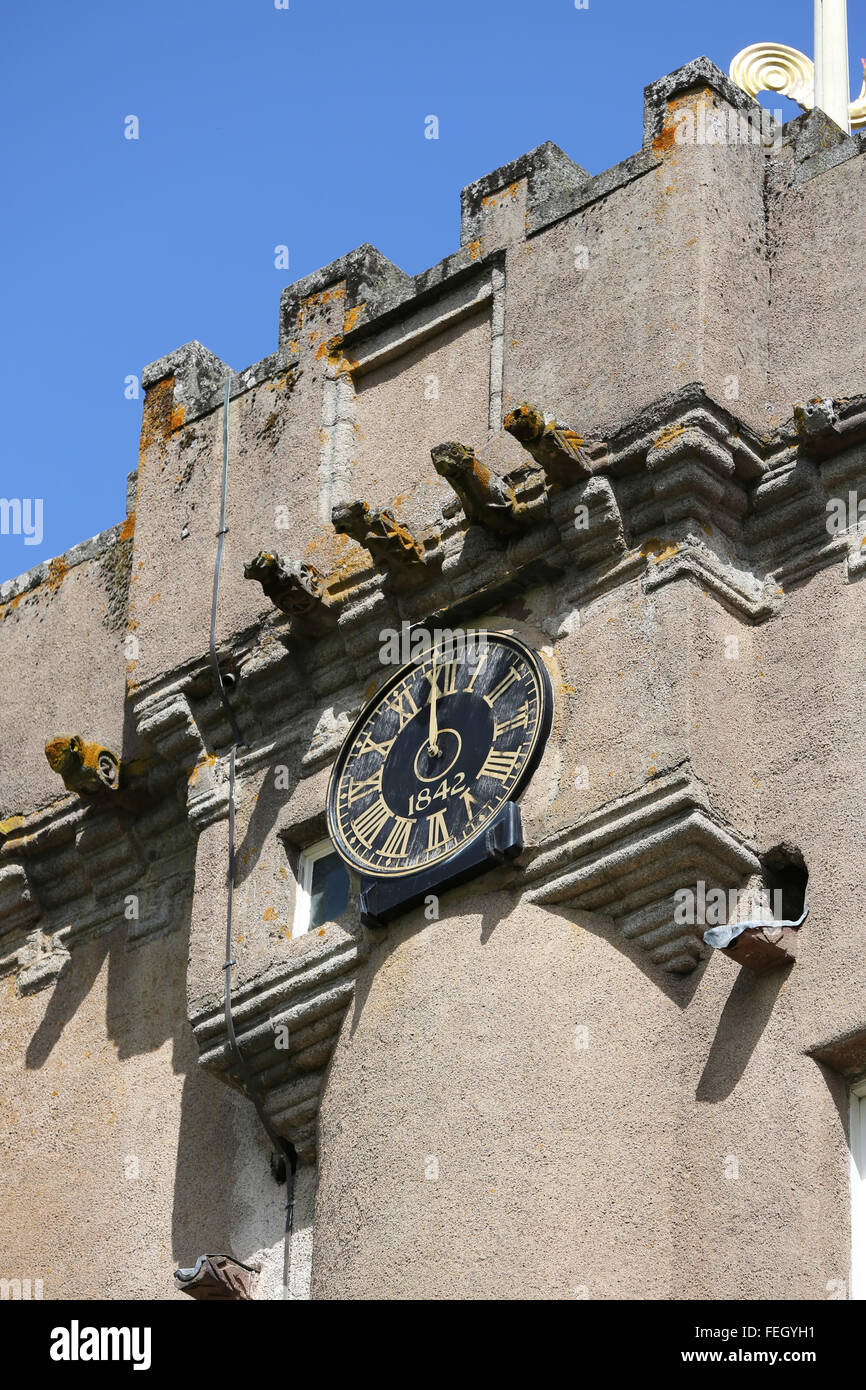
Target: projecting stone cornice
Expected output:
[73,871]
[683,492]
[286,1022]
[627,860]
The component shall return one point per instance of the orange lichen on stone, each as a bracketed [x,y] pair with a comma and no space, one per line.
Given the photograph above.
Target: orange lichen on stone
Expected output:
[659,550]
[207,761]
[177,415]
[667,436]
[492,200]
[314,301]
[692,101]
[269,914]
[351,317]
[474,250]
[279,382]
[156,417]
[128,528]
[340,365]
[57,571]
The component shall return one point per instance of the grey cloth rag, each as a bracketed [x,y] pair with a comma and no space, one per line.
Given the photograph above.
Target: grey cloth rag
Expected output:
[720,937]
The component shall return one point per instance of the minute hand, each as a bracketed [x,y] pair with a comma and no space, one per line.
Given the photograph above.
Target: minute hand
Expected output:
[432,743]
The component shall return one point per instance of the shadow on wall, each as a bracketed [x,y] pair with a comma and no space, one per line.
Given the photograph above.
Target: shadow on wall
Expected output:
[146,1007]
[266,809]
[745,1016]
[679,988]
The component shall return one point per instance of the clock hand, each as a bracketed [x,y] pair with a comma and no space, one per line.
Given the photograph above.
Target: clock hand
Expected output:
[432,744]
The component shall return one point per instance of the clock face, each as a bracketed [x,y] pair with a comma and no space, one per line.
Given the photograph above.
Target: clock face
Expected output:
[436,752]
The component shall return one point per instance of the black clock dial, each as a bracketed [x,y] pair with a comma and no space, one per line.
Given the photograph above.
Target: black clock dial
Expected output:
[436,752]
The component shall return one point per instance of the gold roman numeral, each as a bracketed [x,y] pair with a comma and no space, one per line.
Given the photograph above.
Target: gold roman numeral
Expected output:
[397,843]
[371,821]
[437,833]
[383,749]
[398,702]
[499,765]
[518,721]
[446,678]
[513,675]
[468,801]
[478,665]
[369,784]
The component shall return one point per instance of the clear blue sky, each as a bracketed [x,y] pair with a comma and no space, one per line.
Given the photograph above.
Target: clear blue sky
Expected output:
[261,127]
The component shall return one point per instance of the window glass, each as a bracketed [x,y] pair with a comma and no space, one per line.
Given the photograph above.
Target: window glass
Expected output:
[323,886]
[329,890]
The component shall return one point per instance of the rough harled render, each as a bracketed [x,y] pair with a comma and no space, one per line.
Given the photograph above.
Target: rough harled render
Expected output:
[611,422]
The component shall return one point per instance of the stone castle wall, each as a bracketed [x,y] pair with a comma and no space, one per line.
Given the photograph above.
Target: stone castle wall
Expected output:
[704,637]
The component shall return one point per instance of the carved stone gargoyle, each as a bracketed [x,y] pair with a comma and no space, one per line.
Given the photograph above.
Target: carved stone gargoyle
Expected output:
[293,587]
[393,547]
[85,767]
[484,498]
[556,448]
[825,426]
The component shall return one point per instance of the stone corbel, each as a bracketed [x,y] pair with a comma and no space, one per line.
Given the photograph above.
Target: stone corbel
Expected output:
[485,499]
[165,720]
[392,546]
[286,1024]
[41,962]
[845,1053]
[694,478]
[627,860]
[295,588]
[20,910]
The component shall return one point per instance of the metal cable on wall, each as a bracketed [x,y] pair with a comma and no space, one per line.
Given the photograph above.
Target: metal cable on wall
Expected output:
[283,1148]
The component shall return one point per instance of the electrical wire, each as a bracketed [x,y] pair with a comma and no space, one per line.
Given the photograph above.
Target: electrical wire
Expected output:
[283,1147]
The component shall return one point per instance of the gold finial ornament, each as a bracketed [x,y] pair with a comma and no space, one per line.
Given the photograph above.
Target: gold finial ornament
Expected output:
[774,67]
[858,107]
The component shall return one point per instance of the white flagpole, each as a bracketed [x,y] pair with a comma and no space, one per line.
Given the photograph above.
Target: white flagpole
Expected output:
[831,61]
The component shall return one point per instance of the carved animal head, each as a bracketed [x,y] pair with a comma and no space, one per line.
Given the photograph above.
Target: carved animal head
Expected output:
[65,754]
[83,766]
[453,461]
[351,519]
[525,423]
[262,567]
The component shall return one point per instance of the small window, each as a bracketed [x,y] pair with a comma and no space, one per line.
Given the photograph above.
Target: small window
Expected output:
[323,887]
[858,1190]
